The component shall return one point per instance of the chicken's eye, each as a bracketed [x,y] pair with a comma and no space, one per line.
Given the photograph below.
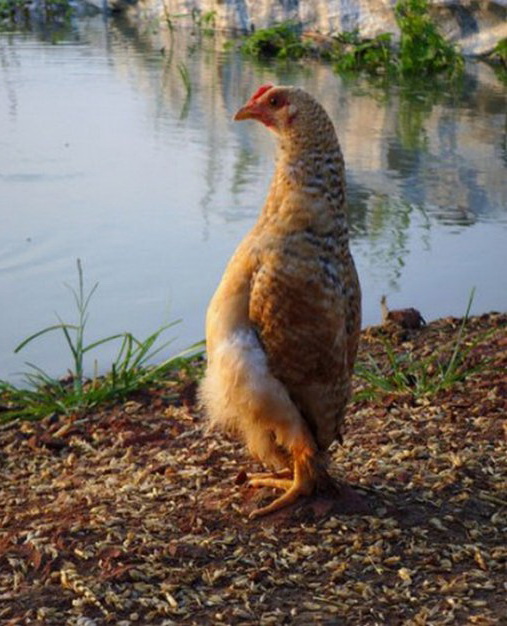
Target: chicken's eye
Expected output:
[273,101]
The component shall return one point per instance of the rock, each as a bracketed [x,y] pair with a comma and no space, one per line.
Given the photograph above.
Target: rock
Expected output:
[110,6]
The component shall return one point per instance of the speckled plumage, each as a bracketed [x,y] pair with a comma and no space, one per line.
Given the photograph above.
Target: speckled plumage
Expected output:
[283,326]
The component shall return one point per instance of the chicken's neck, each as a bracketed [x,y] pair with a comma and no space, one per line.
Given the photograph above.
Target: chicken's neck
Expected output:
[313,174]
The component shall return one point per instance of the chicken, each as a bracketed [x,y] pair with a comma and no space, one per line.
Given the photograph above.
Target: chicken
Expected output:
[282,328]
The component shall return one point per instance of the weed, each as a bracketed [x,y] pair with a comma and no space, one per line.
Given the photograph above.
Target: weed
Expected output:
[281,41]
[12,10]
[351,54]
[498,60]
[15,11]
[500,52]
[130,371]
[423,50]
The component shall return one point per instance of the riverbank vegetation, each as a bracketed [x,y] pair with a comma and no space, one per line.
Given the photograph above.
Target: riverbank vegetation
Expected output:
[421,51]
[499,54]
[498,59]
[23,12]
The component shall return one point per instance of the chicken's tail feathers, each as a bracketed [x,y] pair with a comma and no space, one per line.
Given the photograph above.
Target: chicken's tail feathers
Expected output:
[241,396]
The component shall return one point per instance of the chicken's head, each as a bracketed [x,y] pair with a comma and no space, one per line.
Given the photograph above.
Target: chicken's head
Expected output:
[276,107]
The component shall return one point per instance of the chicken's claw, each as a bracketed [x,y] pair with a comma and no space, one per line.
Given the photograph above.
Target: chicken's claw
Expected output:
[303,483]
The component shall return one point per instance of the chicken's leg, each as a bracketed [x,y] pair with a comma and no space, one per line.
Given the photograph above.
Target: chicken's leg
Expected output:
[302,484]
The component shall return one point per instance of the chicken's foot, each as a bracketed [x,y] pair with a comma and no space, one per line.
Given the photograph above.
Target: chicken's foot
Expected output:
[256,480]
[302,484]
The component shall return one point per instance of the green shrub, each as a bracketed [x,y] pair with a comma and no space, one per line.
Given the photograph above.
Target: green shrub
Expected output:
[500,51]
[498,60]
[351,54]
[423,50]
[281,41]
[21,11]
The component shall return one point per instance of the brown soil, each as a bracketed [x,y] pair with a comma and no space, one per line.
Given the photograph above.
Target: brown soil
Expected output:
[131,515]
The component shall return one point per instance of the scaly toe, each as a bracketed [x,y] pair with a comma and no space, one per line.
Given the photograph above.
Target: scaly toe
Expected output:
[288,498]
[271,481]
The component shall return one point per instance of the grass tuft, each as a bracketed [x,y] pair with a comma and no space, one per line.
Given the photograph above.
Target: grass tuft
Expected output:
[405,374]
[42,395]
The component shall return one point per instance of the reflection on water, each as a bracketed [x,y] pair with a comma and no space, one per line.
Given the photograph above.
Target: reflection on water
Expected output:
[105,156]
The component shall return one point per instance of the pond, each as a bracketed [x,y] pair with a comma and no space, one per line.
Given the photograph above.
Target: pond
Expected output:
[106,156]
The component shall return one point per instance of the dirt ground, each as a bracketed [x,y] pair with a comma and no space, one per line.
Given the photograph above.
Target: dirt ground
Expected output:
[132,516]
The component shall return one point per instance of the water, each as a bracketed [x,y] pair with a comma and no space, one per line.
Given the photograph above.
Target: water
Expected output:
[105,157]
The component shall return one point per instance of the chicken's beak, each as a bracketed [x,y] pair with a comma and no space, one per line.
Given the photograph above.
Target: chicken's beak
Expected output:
[245,113]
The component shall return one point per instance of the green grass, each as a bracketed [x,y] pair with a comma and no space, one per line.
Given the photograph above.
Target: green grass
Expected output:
[42,395]
[405,374]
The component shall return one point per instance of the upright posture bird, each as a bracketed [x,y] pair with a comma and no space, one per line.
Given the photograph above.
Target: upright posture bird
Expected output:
[283,325]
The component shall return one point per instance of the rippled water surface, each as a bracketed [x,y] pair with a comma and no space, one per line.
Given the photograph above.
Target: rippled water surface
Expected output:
[104,156]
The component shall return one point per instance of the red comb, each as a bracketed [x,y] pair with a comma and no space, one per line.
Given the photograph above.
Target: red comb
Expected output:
[262,89]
